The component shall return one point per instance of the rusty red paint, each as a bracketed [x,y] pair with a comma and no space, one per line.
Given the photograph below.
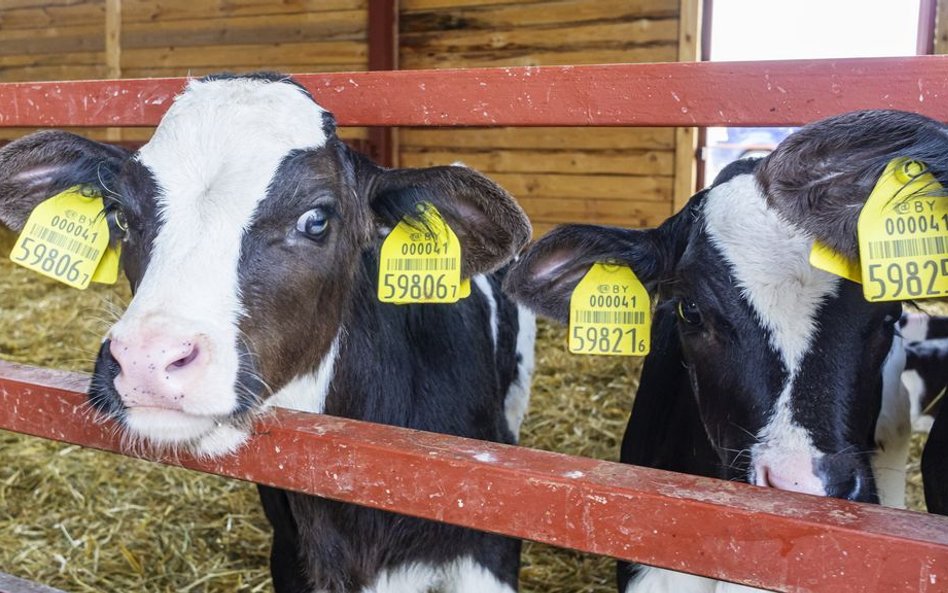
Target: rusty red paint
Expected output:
[765,538]
[675,94]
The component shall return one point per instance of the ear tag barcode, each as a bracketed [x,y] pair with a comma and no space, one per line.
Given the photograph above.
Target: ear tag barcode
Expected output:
[903,235]
[65,237]
[420,262]
[610,313]
[823,257]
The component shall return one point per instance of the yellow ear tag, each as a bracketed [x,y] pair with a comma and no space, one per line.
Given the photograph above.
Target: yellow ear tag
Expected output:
[823,257]
[420,262]
[65,237]
[108,270]
[610,313]
[903,235]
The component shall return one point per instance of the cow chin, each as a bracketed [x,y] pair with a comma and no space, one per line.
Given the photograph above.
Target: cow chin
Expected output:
[202,436]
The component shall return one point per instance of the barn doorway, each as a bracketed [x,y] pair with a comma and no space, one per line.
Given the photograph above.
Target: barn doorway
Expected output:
[740,30]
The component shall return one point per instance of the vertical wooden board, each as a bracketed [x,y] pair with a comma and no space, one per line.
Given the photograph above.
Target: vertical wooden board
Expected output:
[113,50]
[941,27]
[686,139]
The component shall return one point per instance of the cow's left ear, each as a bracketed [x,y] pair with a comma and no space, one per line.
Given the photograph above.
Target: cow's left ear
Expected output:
[545,276]
[489,223]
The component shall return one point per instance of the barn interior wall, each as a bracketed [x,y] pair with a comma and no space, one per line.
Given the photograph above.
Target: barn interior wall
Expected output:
[621,176]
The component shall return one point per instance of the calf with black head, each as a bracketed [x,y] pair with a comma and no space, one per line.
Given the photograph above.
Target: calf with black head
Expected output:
[763,368]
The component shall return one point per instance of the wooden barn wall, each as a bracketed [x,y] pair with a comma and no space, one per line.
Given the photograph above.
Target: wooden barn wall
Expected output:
[621,176]
[66,40]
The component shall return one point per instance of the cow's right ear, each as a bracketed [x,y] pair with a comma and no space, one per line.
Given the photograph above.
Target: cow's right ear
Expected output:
[41,165]
[545,276]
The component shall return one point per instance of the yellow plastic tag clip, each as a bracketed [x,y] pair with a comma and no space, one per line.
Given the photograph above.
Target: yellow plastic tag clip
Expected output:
[903,235]
[823,257]
[65,238]
[610,313]
[420,262]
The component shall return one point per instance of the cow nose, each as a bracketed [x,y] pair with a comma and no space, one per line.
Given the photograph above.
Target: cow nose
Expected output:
[791,475]
[156,368]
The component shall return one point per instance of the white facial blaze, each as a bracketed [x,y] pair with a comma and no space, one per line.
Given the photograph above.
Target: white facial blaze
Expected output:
[213,157]
[770,261]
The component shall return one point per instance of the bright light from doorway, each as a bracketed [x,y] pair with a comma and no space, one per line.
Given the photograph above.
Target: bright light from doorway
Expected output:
[799,29]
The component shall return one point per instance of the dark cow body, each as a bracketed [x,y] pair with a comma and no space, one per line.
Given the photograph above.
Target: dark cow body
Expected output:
[250,235]
[820,177]
[926,365]
[763,369]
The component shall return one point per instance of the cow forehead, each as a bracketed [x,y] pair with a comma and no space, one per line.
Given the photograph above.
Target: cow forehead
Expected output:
[213,157]
[221,142]
[769,259]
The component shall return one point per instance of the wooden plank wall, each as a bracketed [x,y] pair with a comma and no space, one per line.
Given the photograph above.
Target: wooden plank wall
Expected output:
[66,40]
[620,176]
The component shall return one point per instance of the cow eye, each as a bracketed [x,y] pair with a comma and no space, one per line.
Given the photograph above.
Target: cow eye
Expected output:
[116,219]
[689,313]
[313,223]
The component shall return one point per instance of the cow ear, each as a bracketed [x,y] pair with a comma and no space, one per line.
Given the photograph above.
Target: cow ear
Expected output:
[819,177]
[546,275]
[41,165]
[490,225]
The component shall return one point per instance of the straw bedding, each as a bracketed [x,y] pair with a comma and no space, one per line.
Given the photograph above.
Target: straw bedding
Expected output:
[88,521]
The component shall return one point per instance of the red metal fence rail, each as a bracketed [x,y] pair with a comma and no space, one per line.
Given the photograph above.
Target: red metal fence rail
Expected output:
[676,94]
[765,538]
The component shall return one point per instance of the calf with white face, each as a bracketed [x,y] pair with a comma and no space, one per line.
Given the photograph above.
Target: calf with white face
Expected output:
[250,235]
[820,178]
[763,369]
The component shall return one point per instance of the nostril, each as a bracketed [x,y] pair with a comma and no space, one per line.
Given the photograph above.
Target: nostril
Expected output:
[186,359]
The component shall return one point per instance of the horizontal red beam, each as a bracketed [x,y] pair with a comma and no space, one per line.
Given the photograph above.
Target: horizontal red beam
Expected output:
[765,538]
[670,94]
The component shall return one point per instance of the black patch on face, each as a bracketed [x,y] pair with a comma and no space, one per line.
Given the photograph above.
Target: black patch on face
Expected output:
[837,394]
[735,169]
[102,394]
[295,287]
[736,374]
[136,194]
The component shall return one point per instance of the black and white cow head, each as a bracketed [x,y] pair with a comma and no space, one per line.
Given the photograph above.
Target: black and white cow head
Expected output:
[244,222]
[787,362]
